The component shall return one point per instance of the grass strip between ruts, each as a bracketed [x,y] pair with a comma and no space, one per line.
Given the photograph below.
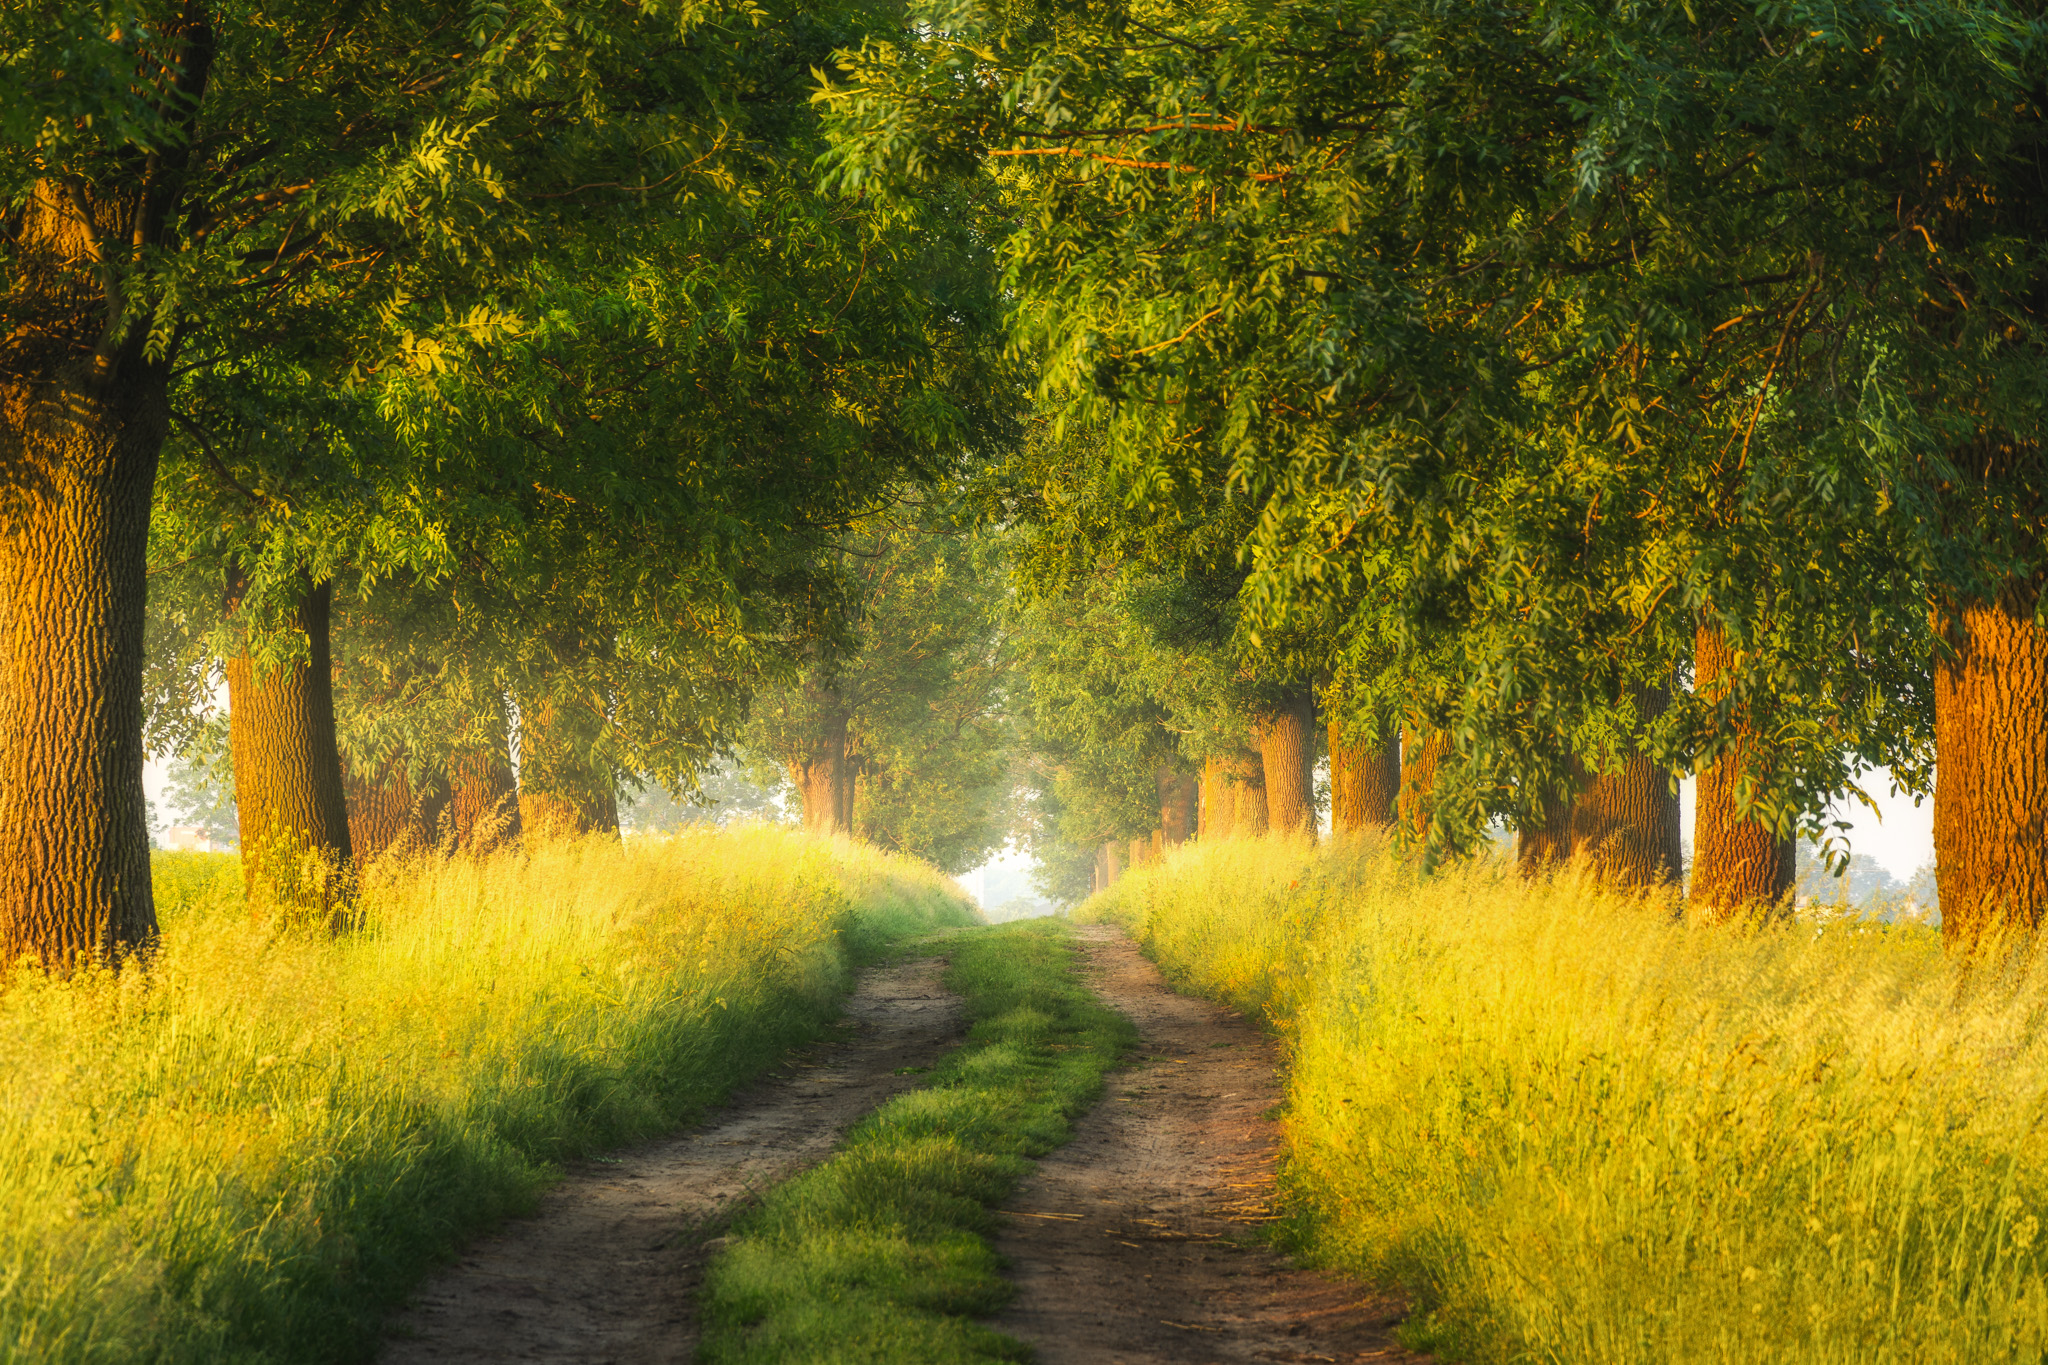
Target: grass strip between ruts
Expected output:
[882,1253]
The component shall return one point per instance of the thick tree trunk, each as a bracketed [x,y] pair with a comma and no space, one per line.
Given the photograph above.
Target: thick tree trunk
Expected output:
[1141,852]
[1736,861]
[562,790]
[1991,767]
[483,804]
[389,813]
[1219,800]
[1246,771]
[1365,781]
[1545,840]
[1179,799]
[289,794]
[1421,755]
[1287,752]
[1626,823]
[823,783]
[1112,863]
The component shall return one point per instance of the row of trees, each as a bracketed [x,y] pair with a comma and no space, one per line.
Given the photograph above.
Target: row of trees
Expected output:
[446,379]
[1593,396]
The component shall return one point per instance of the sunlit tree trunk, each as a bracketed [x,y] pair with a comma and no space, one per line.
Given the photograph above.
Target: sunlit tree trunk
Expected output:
[1625,823]
[1421,755]
[1287,752]
[1141,852]
[563,790]
[1365,781]
[387,811]
[1991,767]
[1544,840]
[82,421]
[1219,799]
[1112,863]
[483,793]
[296,852]
[1179,794]
[1246,772]
[1736,860]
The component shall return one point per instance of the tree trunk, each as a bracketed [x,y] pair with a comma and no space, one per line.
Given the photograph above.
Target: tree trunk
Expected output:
[1246,772]
[296,853]
[1140,852]
[1991,767]
[563,791]
[1112,866]
[1421,755]
[1287,751]
[79,440]
[1365,781]
[483,804]
[1626,823]
[1545,840]
[387,812]
[1179,794]
[1736,861]
[1219,800]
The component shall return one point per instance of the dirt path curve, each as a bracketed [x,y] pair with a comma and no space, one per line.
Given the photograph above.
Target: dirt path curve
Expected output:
[606,1270]
[1132,1243]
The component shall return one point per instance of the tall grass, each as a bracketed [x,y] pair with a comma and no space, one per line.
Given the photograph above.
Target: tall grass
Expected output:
[1580,1129]
[251,1148]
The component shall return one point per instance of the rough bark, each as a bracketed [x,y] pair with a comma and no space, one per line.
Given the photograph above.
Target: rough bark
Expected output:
[563,791]
[1625,823]
[81,428]
[1991,767]
[1219,800]
[289,794]
[1736,860]
[483,804]
[1365,781]
[1544,840]
[1179,796]
[388,812]
[1287,752]
[1246,774]
[1420,757]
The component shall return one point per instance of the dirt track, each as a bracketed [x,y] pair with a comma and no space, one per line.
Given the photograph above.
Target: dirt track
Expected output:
[1133,1243]
[607,1268]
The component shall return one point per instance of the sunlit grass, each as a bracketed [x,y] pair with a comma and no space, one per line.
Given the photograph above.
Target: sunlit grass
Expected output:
[252,1148]
[1579,1130]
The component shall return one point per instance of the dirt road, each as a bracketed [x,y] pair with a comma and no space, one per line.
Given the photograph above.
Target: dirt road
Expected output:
[1133,1243]
[607,1268]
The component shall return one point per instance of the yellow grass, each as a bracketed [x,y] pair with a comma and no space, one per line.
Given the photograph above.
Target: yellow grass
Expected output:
[251,1148]
[1581,1131]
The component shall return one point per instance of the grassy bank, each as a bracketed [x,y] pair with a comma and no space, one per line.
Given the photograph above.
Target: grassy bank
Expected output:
[1580,1131]
[251,1149]
[881,1254]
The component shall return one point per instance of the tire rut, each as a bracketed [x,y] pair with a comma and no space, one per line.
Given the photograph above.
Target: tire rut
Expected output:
[607,1268]
[1136,1242]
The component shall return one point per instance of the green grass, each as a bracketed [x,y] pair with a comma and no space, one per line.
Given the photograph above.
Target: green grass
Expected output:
[1578,1128]
[882,1253]
[254,1147]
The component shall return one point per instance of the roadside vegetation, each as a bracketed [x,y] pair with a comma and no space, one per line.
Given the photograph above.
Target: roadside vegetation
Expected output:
[882,1253]
[252,1149]
[1577,1127]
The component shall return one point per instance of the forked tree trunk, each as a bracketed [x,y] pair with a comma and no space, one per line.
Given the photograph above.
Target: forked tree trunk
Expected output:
[296,853]
[1421,755]
[483,797]
[1736,860]
[1991,767]
[1287,752]
[1179,794]
[563,790]
[1625,823]
[1246,772]
[1365,781]
[388,812]
[1219,800]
